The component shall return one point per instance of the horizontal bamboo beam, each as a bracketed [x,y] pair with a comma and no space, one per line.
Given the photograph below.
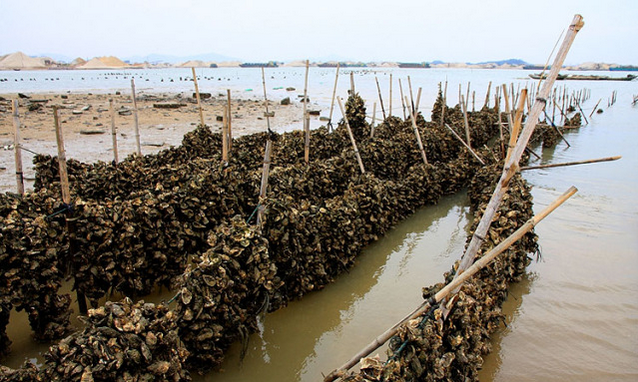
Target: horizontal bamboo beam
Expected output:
[564,164]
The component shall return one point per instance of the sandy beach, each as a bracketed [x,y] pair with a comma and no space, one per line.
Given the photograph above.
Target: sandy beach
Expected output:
[86,123]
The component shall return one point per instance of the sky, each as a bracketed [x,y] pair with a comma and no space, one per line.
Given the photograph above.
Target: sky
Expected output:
[287,30]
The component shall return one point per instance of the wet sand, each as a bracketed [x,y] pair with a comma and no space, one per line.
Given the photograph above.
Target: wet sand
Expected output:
[86,123]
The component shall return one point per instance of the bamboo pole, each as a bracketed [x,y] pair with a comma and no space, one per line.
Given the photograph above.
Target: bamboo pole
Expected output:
[380,98]
[199,101]
[17,147]
[334,93]
[137,126]
[465,144]
[225,135]
[263,81]
[594,109]
[465,121]
[374,117]
[418,101]
[390,99]
[564,164]
[473,100]
[66,197]
[402,101]
[444,106]
[518,119]
[352,90]
[583,113]
[306,121]
[229,124]
[418,138]
[113,133]
[264,181]
[452,286]
[354,143]
[487,95]
[411,94]
[467,96]
[511,165]
[497,103]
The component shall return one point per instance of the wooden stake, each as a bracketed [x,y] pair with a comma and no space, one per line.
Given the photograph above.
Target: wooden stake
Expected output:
[487,95]
[517,124]
[263,81]
[594,109]
[418,100]
[17,147]
[225,135]
[199,101]
[402,101]
[451,287]
[418,138]
[465,144]
[334,93]
[607,159]
[306,121]
[380,98]
[354,143]
[411,95]
[374,117]
[229,124]
[352,90]
[64,176]
[444,106]
[264,181]
[137,126]
[390,99]
[113,133]
[465,121]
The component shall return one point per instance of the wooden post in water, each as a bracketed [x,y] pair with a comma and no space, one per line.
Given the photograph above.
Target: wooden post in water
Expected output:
[411,94]
[380,98]
[17,147]
[352,90]
[466,122]
[113,132]
[137,126]
[354,143]
[66,198]
[199,101]
[418,138]
[594,109]
[306,121]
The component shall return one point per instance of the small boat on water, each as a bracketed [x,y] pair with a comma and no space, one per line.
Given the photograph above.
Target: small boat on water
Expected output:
[585,77]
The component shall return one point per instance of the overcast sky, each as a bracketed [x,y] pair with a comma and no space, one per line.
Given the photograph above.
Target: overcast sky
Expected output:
[370,30]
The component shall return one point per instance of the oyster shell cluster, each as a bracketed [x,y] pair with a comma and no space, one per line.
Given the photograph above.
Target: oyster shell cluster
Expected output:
[182,218]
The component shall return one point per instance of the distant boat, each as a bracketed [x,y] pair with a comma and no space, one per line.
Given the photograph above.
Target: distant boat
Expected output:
[423,65]
[600,78]
[270,64]
[538,76]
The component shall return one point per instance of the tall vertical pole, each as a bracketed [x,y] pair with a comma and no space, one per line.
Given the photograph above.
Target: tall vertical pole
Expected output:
[137,126]
[199,101]
[113,132]
[306,120]
[17,148]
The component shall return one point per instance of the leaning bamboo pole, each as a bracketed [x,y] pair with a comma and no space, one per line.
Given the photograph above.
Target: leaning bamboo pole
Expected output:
[418,137]
[390,98]
[17,147]
[565,164]
[354,143]
[380,98]
[466,122]
[451,287]
[264,181]
[374,117]
[444,105]
[402,101]
[199,101]
[465,144]
[511,165]
[517,124]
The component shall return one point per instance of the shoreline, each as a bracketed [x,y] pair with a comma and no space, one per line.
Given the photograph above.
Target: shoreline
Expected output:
[85,119]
